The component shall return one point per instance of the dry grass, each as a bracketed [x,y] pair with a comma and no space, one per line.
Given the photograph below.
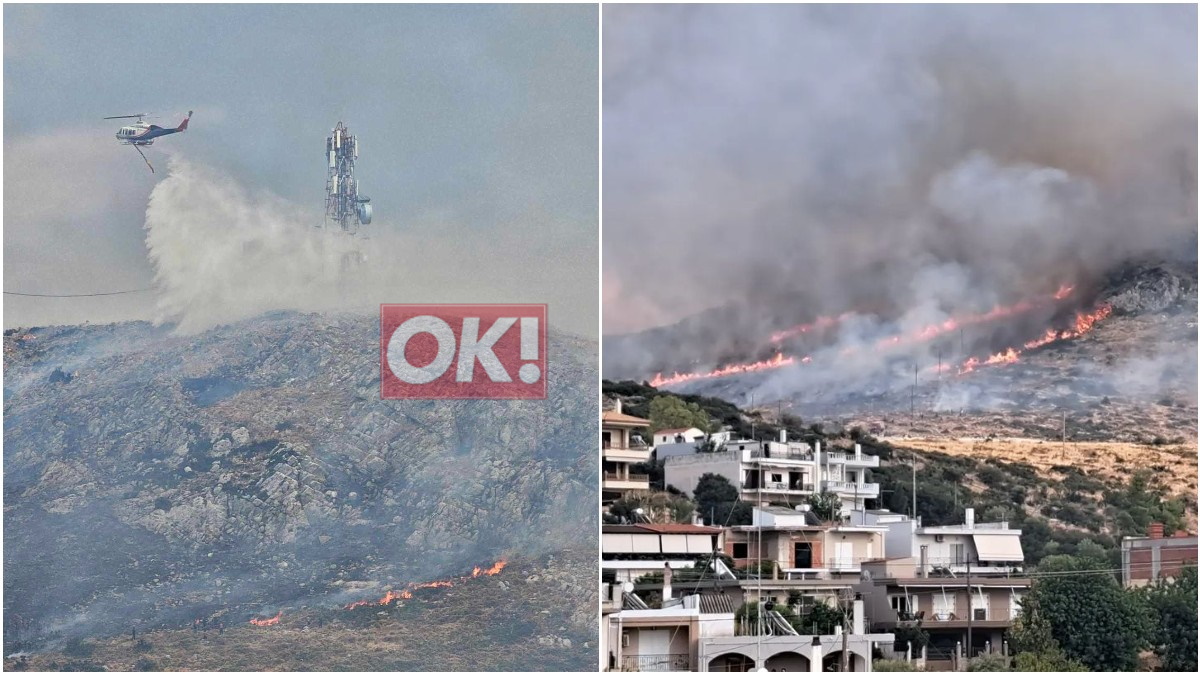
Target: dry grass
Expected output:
[1173,466]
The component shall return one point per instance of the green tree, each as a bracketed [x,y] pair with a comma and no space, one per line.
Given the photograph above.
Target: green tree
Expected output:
[670,412]
[892,666]
[657,507]
[826,505]
[1035,647]
[717,501]
[1173,607]
[989,663]
[1090,616]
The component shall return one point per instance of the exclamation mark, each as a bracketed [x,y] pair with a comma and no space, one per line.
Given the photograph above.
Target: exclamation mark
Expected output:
[529,373]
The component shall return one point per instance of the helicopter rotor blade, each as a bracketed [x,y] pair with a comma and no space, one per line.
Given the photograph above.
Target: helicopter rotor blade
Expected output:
[125,117]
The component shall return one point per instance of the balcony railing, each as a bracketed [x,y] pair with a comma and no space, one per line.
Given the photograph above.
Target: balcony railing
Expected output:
[656,663]
[632,478]
[850,458]
[796,455]
[847,487]
[779,487]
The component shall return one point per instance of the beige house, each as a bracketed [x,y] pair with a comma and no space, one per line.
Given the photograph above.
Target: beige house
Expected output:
[801,546]
[640,638]
[962,616]
[622,445]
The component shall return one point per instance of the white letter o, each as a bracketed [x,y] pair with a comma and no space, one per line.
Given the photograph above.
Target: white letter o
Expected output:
[405,371]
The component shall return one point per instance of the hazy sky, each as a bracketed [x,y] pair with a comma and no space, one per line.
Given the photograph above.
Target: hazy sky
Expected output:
[477,126]
[799,160]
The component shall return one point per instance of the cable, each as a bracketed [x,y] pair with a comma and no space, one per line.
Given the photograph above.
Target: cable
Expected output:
[77,295]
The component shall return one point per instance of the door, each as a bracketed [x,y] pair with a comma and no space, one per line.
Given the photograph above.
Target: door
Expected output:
[802,555]
[654,650]
[843,555]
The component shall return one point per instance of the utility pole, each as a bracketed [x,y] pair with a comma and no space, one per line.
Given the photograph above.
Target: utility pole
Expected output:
[970,610]
[913,457]
[844,596]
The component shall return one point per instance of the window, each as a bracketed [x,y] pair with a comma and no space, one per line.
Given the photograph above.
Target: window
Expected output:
[741,551]
[960,553]
[980,613]
[900,604]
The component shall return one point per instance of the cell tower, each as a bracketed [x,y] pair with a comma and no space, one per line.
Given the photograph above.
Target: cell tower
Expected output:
[343,205]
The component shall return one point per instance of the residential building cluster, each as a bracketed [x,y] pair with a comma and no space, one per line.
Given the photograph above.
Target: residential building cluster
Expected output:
[672,592]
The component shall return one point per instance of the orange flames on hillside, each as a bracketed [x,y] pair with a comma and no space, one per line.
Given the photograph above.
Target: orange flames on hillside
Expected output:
[406,593]
[268,622]
[1084,322]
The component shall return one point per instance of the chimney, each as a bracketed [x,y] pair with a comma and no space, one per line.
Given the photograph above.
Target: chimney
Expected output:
[858,616]
[970,515]
[783,435]
[816,661]
[618,408]
[924,560]
[1156,531]
[666,591]
[858,451]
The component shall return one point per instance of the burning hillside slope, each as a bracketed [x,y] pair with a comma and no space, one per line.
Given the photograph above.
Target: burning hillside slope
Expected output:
[155,480]
[1131,345]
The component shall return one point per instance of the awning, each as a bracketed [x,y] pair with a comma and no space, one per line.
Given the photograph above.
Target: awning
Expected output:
[999,548]
[674,543]
[646,543]
[700,543]
[618,543]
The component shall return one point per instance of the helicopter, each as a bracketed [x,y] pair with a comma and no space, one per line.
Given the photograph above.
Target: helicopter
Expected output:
[139,133]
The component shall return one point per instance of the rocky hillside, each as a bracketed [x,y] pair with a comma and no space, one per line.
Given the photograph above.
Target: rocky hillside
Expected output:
[152,480]
[1132,378]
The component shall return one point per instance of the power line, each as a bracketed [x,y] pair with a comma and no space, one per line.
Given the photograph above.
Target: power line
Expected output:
[78,295]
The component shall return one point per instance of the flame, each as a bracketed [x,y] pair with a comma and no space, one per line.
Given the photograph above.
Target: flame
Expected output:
[406,592]
[1084,322]
[821,323]
[777,361]
[491,571]
[268,622]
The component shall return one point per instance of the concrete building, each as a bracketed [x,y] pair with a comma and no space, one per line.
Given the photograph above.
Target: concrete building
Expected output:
[622,445]
[638,637]
[989,548]
[1145,560]
[962,616]
[699,632]
[778,472]
[782,648]
[800,546]
[689,435]
[631,551]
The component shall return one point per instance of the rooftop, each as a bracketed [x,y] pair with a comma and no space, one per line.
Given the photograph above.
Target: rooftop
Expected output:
[614,417]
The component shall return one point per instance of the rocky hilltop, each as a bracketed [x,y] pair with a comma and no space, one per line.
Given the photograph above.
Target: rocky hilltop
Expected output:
[154,480]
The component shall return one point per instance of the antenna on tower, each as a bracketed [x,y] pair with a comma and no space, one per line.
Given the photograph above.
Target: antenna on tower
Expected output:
[344,206]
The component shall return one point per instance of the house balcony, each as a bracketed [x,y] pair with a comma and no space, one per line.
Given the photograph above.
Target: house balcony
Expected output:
[861,490]
[656,663]
[783,456]
[633,481]
[771,488]
[853,460]
[628,455]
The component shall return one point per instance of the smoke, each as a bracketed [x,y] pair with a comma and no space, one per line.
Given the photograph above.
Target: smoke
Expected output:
[905,163]
[223,252]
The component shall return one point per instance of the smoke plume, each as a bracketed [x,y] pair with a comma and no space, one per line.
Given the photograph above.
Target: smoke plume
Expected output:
[223,252]
[769,164]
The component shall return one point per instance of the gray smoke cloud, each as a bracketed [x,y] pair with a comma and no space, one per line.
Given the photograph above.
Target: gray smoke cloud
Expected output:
[906,163]
[223,252]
